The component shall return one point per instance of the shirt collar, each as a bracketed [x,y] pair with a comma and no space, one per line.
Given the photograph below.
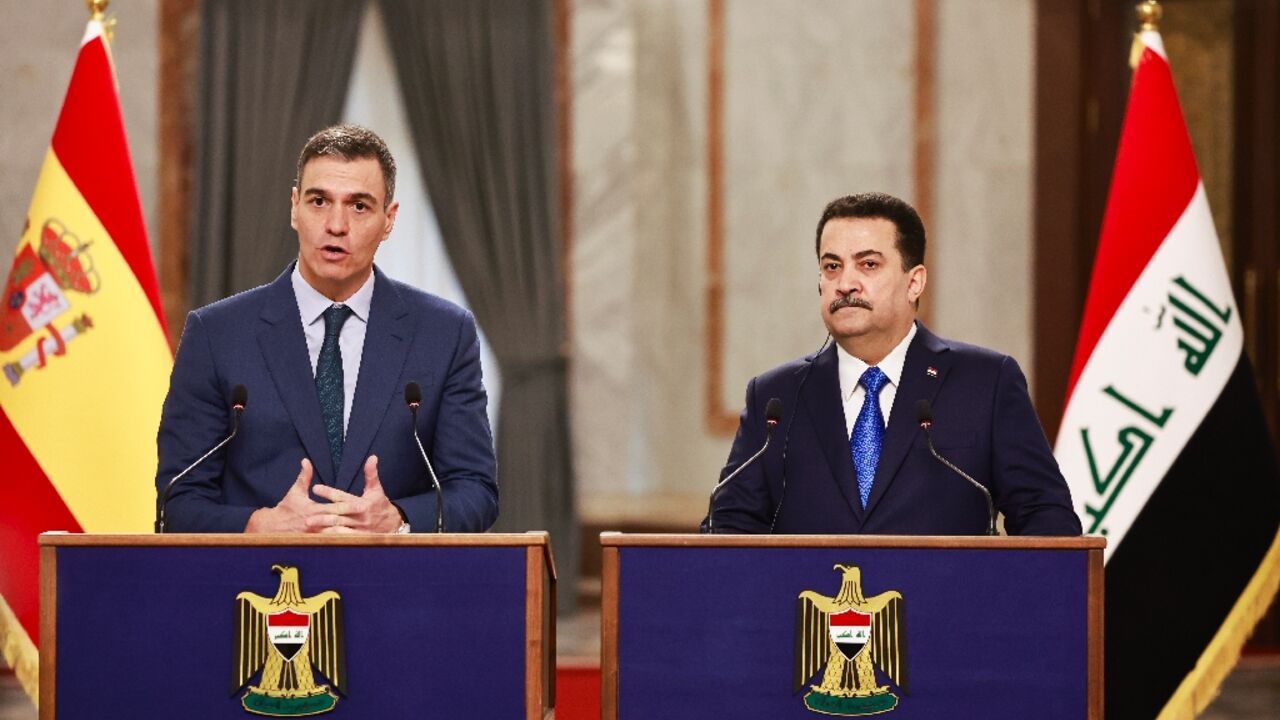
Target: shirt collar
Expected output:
[851,368]
[311,304]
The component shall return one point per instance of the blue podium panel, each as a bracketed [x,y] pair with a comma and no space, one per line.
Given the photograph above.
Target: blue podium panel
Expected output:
[426,631]
[712,632]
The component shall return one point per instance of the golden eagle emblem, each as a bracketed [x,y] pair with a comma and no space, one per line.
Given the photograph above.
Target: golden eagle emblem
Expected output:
[289,638]
[853,636]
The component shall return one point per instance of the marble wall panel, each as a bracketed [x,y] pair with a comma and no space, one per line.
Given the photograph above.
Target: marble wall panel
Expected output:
[818,104]
[603,374]
[670,255]
[980,252]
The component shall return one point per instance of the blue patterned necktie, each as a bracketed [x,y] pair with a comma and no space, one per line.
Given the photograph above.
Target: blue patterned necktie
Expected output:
[868,432]
[329,381]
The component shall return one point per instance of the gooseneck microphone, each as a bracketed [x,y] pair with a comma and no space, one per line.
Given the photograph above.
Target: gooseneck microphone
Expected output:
[786,436]
[239,397]
[413,398]
[772,414]
[924,418]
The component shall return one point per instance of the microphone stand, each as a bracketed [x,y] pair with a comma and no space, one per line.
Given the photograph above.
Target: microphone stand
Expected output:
[413,409]
[163,500]
[927,426]
[711,529]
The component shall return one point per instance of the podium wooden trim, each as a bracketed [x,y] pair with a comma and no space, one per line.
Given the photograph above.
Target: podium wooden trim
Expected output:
[540,581]
[611,542]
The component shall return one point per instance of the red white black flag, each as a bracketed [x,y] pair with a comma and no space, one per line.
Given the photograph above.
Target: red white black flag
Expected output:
[1163,440]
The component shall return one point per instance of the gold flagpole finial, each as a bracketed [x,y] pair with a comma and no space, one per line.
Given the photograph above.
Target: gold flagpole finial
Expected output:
[98,14]
[1149,13]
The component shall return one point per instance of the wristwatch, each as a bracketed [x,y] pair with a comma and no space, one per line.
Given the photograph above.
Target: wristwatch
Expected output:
[404,528]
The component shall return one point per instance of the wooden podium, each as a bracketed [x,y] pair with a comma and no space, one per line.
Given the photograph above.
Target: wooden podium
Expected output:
[698,626]
[166,626]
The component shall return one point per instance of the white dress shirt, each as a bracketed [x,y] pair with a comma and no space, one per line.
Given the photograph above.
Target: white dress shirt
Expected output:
[311,307]
[851,369]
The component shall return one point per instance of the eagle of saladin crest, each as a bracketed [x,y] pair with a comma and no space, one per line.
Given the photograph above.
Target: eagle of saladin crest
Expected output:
[852,635]
[289,638]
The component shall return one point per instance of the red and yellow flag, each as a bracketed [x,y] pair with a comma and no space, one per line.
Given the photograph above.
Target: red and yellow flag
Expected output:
[84,359]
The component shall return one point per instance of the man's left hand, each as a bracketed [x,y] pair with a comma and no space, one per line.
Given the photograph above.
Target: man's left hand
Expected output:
[370,512]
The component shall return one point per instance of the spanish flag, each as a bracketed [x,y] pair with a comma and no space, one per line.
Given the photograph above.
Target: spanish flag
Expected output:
[84,359]
[1163,440]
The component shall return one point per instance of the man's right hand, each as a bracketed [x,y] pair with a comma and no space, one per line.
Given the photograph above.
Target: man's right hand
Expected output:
[291,513]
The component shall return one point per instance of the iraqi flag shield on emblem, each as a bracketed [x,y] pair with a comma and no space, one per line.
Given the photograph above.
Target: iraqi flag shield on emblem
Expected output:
[850,631]
[288,631]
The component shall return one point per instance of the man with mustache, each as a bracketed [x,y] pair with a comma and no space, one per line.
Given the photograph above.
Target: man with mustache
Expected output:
[848,455]
[326,350]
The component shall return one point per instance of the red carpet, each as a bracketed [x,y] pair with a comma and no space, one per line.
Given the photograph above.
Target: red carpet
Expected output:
[577,691]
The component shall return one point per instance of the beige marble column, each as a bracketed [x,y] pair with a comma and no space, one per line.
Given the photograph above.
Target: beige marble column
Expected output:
[980,258]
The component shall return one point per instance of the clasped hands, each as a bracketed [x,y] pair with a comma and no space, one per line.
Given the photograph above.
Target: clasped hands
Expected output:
[296,512]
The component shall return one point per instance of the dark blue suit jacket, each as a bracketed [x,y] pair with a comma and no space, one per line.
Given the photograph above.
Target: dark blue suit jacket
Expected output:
[256,339]
[983,423]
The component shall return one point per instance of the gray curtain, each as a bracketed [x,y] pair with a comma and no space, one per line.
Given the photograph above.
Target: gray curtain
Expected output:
[476,76]
[270,75]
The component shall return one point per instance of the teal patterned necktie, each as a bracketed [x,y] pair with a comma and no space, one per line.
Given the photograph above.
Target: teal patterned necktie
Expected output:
[868,432]
[329,381]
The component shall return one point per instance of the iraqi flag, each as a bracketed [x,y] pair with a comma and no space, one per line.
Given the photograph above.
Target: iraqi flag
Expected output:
[84,359]
[850,631]
[1163,440]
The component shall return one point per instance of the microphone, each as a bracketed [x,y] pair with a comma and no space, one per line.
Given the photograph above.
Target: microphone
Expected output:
[239,397]
[772,414]
[924,418]
[413,398]
[786,436]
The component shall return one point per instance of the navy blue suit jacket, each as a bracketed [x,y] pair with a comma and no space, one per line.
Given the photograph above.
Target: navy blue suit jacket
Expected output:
[983,423]
[256,339]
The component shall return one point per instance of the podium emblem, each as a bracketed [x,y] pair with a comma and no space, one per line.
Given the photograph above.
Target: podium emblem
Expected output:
[848,638]
[290,639]
[288,632]
[849,631]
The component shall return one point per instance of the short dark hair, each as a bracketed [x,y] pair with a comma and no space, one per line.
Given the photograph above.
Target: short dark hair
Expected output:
[910,239]
[350,142]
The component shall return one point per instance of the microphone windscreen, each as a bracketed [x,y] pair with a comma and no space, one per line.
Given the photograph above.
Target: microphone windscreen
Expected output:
[239,396]
[773,410]
[924,412]
[412,394]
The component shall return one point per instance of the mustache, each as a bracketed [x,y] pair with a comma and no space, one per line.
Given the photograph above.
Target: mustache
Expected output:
[850,300]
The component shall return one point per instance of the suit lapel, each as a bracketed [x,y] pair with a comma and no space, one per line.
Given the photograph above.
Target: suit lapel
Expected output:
[923,373]
[386,346]
[284,349]
[821,398]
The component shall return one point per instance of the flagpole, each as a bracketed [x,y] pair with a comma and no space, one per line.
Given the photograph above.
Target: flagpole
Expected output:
[97,9]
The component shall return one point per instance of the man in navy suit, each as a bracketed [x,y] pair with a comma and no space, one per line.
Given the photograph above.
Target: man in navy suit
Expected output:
[326,441]
[848,455]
